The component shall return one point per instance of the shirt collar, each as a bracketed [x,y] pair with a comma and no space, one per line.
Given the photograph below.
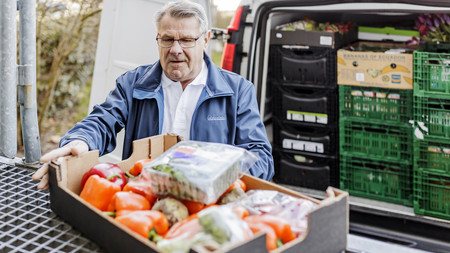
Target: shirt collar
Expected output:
[199,80]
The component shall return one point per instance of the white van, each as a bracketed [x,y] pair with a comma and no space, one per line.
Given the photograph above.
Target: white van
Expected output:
[251,52]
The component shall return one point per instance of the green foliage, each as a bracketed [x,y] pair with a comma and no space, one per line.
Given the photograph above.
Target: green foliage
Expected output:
[67,34]
[216,57]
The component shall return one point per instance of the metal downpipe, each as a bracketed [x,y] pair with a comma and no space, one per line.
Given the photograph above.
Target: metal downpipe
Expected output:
[8,78]
[27,81]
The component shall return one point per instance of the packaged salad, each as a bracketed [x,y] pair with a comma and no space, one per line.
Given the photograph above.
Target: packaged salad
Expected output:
[198,171]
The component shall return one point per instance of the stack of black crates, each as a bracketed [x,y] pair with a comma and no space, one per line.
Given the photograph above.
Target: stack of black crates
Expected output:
[303,81]
[432,131]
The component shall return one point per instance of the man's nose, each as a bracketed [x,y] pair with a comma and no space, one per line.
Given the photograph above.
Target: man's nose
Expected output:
[176,47]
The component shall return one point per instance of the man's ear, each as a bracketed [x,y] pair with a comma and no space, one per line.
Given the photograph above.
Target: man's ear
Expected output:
[206,38]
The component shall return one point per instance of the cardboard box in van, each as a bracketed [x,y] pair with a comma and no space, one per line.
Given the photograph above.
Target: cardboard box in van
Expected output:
[327,224]
[382,65]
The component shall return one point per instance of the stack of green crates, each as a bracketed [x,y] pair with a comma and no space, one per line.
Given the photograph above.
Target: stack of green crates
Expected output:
[375,137]
[432,134]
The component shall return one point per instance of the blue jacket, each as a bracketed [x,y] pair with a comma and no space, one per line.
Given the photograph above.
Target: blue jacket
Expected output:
[226,112]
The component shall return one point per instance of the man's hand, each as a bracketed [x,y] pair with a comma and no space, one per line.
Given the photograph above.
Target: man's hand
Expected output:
[75,147]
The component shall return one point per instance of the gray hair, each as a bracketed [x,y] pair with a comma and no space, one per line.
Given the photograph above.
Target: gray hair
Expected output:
[183,9]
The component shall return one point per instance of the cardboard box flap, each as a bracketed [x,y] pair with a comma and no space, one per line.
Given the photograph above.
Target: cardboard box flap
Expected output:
[79,164]
[150,147]
[142,149]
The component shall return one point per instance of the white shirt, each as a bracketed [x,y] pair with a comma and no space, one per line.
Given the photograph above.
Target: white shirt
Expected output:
[179,105]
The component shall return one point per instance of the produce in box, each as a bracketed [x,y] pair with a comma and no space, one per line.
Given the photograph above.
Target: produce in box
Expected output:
[201,171]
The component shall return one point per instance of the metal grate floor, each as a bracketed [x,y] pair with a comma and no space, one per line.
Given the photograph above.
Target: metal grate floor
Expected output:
[27,224]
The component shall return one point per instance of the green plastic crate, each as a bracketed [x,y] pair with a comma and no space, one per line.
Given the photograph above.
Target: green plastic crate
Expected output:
[432,116]
[432,155]
[375,141]
[376,104]
[431,194]
[431,74]
[376,179]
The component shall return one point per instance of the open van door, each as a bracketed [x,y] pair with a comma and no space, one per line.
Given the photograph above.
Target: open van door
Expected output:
[126,40]
[297,99]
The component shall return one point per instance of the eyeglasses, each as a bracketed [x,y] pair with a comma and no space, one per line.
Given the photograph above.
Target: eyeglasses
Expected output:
[184,43]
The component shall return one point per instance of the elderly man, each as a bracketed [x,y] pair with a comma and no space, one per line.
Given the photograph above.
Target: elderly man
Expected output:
[182,93]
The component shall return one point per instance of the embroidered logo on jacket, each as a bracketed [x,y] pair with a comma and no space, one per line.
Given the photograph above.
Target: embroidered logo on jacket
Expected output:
[216,117]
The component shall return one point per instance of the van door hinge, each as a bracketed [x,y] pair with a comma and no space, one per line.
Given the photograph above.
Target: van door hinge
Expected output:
[219,34]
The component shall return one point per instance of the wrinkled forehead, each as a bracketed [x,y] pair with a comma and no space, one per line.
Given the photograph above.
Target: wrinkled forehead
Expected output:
[182,27]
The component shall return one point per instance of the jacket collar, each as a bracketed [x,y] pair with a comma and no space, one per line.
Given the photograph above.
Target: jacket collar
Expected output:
[216,85]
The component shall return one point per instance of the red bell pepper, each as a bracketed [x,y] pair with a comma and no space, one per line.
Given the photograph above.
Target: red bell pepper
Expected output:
[110,171]
[142,185]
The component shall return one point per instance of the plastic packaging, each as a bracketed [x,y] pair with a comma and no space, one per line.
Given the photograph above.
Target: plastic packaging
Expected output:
[224,225]
[220,226]
[293,209]
[198,171]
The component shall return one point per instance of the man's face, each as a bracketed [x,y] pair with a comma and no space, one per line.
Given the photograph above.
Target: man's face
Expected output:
[178,63]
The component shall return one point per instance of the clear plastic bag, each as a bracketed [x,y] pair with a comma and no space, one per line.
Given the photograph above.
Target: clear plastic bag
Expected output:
[219,226]
[224,225]
[293,209]
[198,171]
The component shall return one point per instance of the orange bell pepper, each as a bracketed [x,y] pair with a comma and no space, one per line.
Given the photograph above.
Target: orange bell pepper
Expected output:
[137,167]
[240,211]
[281,226]
[148,223]
[190,225]
[272,242]
[193,206]
[236,184]
[128,201]
[99,191]
[141,185]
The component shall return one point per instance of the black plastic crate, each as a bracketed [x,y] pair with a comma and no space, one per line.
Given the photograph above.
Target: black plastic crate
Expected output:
[295,104]
[302,169]
[308,66]
[298,137]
